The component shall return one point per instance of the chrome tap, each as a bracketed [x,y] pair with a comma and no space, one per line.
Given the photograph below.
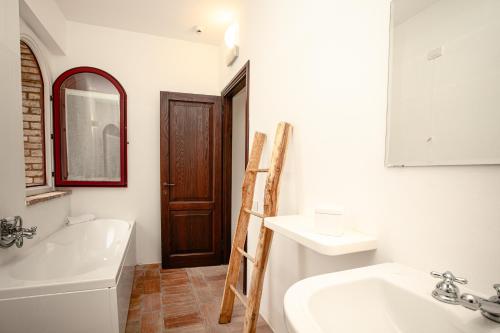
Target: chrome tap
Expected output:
[490,308]
[446,291]
[12,231]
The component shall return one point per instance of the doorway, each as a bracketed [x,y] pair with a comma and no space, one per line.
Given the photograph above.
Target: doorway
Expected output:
[235,103]
[204,144]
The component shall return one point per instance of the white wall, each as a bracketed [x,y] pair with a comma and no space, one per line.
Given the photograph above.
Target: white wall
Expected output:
[323,66]
[45,17]
[144,65]
[238,156]
[48,216]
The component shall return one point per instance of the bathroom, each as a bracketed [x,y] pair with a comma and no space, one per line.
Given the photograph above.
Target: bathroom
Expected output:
[324,67]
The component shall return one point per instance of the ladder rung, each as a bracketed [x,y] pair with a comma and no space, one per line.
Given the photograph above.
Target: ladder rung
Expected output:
[262,216]
[245,254]
[258,170]
[237,294]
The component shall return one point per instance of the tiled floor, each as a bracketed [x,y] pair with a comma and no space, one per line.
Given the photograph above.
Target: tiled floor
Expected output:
[181,300]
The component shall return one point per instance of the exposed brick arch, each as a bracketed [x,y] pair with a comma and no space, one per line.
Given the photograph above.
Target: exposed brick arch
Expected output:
[33,118]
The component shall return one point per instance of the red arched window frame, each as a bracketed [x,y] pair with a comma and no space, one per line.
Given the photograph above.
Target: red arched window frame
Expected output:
[59,144]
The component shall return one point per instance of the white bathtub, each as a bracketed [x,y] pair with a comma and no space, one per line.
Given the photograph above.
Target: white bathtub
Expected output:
[79,279]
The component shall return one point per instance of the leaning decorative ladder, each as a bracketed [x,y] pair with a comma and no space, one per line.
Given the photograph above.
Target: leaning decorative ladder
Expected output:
[252,303]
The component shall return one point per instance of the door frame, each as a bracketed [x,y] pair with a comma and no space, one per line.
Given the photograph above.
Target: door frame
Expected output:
[239,82]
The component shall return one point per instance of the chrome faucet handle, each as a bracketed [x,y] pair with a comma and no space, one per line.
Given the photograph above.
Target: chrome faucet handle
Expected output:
[449,276]
[446,290]
[12,232]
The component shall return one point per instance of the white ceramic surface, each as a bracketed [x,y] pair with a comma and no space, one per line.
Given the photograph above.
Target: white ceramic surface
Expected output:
[77,257]
[79,279]
[301,229]
[385,298]
[329,222]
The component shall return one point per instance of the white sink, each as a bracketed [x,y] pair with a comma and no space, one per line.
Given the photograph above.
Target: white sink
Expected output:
[388,298]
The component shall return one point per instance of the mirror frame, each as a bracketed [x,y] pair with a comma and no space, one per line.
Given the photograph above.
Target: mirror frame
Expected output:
[57,129]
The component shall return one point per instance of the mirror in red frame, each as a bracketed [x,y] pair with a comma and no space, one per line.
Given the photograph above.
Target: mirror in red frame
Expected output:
[90,129]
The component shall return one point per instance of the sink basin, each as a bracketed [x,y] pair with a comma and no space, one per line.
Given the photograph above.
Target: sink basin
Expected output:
[388,298]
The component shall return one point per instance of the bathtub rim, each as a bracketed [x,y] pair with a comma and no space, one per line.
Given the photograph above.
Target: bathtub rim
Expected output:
[82,282]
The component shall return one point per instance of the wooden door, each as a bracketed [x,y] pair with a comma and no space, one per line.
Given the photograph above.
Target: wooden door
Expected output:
[191,179]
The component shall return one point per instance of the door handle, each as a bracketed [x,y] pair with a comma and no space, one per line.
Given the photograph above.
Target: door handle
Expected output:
[168,184]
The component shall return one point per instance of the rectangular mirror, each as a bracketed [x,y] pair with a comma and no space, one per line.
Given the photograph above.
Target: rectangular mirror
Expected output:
[89,128]
[444,83]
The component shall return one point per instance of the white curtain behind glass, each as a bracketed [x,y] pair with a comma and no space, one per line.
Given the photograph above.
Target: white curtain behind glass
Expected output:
[93,135]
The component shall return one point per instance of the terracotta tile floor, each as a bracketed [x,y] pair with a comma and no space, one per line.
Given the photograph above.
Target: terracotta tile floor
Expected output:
[181,300]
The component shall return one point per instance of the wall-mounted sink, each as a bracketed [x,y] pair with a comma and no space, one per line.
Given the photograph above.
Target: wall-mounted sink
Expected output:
[388,298]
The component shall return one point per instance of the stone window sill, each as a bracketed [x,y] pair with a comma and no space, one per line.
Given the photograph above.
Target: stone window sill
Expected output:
[34,199]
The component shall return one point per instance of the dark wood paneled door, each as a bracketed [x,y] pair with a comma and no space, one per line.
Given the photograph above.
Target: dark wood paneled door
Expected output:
[191,179]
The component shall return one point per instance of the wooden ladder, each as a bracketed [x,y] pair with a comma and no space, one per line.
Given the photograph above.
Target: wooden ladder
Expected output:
[252,302]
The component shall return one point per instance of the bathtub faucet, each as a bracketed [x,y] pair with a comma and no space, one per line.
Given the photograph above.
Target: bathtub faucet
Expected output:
[12,231]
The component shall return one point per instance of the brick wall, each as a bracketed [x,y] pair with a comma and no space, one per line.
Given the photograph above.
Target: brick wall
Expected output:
[32,94]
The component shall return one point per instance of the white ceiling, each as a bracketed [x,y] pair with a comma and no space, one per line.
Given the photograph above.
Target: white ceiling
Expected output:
[402,10]
[169,18]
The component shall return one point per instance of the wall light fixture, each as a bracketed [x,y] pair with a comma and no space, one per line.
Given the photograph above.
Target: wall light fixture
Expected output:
[231,41]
